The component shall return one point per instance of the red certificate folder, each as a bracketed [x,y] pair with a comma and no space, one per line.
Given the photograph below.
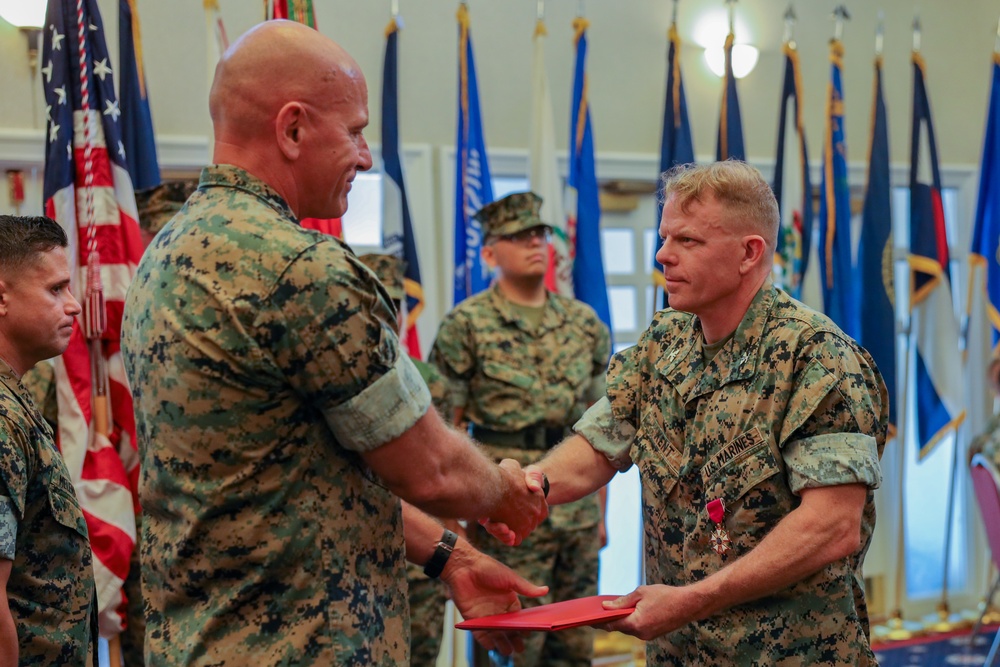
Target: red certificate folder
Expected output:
[555,616]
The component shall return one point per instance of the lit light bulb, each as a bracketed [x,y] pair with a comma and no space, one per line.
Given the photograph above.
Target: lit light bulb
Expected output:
[744,59]
[23,13]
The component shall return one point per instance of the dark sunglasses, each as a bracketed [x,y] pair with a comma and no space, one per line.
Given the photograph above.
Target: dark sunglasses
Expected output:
[527,236]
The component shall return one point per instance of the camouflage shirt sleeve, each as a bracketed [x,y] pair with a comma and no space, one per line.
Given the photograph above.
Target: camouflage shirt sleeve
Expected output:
[836,422]
[610,423]
[13,465]
[436,385]
[602,350]
[331,329]
[8,529]
[606,434]
[453,357]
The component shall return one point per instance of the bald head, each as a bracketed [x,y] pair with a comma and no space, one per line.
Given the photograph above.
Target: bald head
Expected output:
[271,64]
[289,105]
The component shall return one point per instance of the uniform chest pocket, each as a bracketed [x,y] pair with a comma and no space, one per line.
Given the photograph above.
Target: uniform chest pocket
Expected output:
[658,460]
[63,503]
[732,474]
[507,375]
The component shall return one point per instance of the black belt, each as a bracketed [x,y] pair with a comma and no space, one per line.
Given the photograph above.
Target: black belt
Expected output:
[537,437]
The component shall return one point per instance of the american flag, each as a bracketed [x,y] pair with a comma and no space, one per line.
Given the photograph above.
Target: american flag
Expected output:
[88,191]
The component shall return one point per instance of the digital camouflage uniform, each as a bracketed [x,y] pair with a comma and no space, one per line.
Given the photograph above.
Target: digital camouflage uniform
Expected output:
[262,358]
[156,205]
[427,596]
[789,403]
[513,381]
[40,381]
[51,589]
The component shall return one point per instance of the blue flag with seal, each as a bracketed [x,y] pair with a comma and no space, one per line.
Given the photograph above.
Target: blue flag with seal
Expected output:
[938,371]
[730,139]
[985,253]
[136,122]
[875,260]
[583,206]
[836,279]
[793,190]
[397,227]
[473,186]
[676,146]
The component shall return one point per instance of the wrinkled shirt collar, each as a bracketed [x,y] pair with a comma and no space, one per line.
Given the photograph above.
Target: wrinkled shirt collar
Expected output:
[736,361]
[553,316]
[231,176]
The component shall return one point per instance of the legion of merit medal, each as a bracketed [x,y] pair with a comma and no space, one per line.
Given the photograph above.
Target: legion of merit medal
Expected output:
[720,537]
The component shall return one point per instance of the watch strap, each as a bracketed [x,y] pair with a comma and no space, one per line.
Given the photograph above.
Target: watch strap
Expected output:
[442,552]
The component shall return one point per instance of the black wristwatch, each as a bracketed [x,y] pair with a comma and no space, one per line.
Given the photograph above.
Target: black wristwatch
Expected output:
[442,552]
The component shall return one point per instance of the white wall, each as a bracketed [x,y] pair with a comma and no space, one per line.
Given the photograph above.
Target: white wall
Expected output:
[627,67]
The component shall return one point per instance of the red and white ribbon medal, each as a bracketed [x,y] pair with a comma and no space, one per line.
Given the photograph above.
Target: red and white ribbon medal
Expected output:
[720,538]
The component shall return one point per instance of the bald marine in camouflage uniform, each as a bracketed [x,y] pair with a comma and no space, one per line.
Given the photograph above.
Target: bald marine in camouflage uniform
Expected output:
[522,374]
[757,426]
[427,596]
[278,423]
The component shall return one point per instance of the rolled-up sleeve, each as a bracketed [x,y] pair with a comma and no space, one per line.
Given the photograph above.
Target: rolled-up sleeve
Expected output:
[606,434]
[837,418]
[832,459]
[8,529]
[384,410]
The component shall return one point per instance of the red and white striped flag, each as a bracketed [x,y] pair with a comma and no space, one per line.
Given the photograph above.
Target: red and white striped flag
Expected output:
[88,191]
[544,172]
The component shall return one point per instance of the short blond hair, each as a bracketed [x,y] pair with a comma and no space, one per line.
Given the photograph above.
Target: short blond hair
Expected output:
[740,188]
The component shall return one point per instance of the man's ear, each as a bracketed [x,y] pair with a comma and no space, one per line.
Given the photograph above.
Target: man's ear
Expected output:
[488,253]
[4,296]
[754,248]
[289,129]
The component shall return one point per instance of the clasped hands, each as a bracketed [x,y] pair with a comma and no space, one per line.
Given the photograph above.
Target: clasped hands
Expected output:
[523,506]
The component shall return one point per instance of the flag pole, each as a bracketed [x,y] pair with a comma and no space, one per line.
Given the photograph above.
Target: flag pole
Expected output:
[896,628]
[943,620]
[673,14]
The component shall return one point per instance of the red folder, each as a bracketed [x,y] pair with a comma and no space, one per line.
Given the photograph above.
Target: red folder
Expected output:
[555,616]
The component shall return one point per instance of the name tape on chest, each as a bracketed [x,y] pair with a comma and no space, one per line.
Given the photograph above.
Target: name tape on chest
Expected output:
[745,442]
